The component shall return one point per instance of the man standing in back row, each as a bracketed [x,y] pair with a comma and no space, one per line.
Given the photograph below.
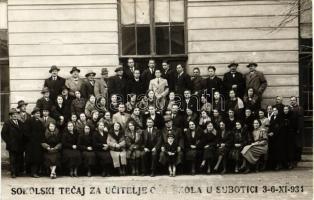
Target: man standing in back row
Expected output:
[54,83]
[255,79]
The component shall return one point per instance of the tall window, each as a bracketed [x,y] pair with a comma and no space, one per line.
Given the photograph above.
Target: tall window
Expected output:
[152,28]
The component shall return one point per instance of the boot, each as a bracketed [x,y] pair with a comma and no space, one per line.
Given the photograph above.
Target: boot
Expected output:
[75,172]
[89,173]
[218,163]
[193,169]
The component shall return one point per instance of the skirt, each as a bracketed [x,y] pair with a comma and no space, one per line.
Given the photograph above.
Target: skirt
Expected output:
[71,158]
[252,153]
[234,153]
[192,154]
[209,153]
[103,157]
[52,159]
[89,158]
[118,156]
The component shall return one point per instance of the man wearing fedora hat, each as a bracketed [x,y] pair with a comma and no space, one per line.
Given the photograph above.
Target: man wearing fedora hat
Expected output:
[54,82]
[233,80]
[74,83]
[255,79]
[117,84]
[101,85]
[88,85]
[44,101]
[22,114]
[12,134]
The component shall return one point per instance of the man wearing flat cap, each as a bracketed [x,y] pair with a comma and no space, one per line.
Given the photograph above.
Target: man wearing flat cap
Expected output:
[101,85]
[117,84]
[255,79]
[233,80]
[22,114]
[74,83]
[54,83]
[44,101]
[12,134]
[88,85]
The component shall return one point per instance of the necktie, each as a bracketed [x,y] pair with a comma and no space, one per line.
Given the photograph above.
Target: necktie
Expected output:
[45,118]
[158,80]
[15,122]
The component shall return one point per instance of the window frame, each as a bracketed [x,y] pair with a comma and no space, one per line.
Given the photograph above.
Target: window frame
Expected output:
[152,26]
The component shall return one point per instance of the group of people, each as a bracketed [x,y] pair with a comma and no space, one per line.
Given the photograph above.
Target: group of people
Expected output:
[144,122]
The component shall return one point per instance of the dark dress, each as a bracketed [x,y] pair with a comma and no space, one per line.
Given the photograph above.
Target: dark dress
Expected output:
[209,138]
[276,142]
[88,156]
[52,140]
[134,144]
[35,132]
[289,136]
[224,137]
[102,156]
[71,157]
[58,111]
[78,106]
[193,154]
[237,137]
[171,148]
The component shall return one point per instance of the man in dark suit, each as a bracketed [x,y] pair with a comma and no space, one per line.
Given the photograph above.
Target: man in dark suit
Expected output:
[12,134]
[128,70]
[156,117]
[182,81]
[148,74]
[197,81]
[179,139]
[234,80]
[88,85]
[46,119]
[255,79]
[177,116]
[44,101]
[151,142]
[135,85]
[189,102]
[212,83]
[169,75]
[117,84]
[54,83]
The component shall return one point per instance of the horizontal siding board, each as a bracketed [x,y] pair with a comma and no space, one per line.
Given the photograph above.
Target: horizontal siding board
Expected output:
[236,2]
[227,57]
[83,60]
[62,7]
[237,10]
[59,2]
[42,73]
[238,22]
[242,34]
[64,38]
[62,49]
[266,68]
[249,45]
[63,26]
[73,14]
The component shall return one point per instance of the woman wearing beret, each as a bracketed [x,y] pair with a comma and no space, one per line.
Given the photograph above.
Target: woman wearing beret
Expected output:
[52,146]
[116,142]
[78,104]
[71,154]
[134,146]
[193,145]
[209,141]
[35,132]
[85,144]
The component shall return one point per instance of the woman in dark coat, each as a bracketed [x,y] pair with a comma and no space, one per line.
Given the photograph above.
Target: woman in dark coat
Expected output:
[204,119]
[223,144]
[238,139]
[209,141]
[92,122]
[248,120]
[71,154]
[35,132]
[52,146]
[102,148]
[218,102]
[235,103]
[78,104]
[85,144]
[230,120]
[81,123]
[134,146]
[216,118]
[252,100]
[189,116]
[60,110]
[193,148]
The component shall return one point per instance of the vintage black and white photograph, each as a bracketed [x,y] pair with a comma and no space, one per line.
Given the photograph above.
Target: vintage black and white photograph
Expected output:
[156,99]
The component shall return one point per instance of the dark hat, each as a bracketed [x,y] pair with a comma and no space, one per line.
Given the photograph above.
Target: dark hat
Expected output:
[64,88]
[35,110]
[12,111]
[118,69]
[233,64]
[46,108]
[75,69]
[167,118]
[104,71]
[44,90]
[89,72]
[53,67]
[21,103]
[252,64]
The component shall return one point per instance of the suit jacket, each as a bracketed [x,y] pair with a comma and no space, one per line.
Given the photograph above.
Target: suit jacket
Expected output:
[229,80]
[196,140]
[55,87]
[146,77]
[87,89]
[178,137]
[24,117]
[101,88]
[136,87]
[74,85]
[12,135]
[182,83]
[122,119]
[170,76]
[158,121]
[159,86]
[42,103]
[127,73]
[117,85]
[178,120]
[214,84]
[48,121]
[257,81]
[197,84]
[151,141]
[192,104]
